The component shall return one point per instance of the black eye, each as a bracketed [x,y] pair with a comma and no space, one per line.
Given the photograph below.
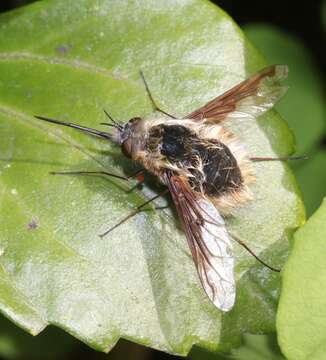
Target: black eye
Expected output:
[132,120]
[126,148]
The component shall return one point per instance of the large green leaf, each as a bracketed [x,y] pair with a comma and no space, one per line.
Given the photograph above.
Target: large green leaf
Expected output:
[302,311]
[68,60]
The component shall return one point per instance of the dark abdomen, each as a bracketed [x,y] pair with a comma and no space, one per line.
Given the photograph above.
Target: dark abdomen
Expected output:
[222,173]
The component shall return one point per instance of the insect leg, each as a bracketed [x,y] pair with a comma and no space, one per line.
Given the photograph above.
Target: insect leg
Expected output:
[152,99]
[137,174]
[90,173]
[239,241]
[282,158]
[134,212]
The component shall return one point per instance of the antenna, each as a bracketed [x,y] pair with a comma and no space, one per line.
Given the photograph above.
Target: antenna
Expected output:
[114,122]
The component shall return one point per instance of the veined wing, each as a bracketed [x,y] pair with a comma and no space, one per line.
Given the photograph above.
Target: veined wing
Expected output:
[250,98]
[208,240]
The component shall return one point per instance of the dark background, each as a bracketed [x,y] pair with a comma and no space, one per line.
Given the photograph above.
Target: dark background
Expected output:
[299,18]
[302,19]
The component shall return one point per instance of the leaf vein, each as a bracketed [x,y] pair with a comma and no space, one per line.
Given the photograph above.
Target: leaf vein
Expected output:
[53,60]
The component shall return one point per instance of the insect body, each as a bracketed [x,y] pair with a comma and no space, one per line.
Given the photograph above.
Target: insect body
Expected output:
[205,156]
[206,170]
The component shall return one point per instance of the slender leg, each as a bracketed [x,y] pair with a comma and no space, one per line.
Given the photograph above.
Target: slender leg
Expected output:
[239,241]
[152,99]
[140,180]
[134,212]
[137,174]
[282,158]
[90,173]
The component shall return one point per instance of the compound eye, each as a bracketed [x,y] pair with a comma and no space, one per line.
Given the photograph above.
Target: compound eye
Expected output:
[133,120]
[126,148]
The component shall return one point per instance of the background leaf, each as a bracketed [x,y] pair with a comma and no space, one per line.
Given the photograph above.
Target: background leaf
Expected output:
[301,316]
[69,60]
[303,108]
[254,347]
[312,178]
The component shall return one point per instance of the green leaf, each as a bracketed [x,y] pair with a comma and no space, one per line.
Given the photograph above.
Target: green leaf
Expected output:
[312,179]
[254,347]
[304,106]
[69,60]
[302,310]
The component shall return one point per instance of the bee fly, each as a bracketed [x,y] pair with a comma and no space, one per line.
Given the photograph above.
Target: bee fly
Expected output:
[205,169]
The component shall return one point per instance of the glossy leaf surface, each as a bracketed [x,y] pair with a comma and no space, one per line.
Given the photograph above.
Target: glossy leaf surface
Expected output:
[69,60]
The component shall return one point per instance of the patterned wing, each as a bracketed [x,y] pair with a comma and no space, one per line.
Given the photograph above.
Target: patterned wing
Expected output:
[208,240]
[250,98]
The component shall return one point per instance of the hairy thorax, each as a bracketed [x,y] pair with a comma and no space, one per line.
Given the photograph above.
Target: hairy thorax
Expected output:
[208,157]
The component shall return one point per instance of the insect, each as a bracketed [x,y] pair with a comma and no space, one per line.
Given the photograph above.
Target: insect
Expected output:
[204,167]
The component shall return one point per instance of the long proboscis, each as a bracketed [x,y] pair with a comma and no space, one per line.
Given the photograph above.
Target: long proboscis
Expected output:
[102,134]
